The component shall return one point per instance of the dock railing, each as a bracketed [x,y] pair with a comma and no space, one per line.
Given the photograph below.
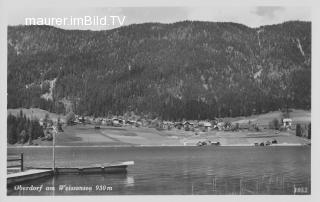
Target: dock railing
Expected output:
[15,158]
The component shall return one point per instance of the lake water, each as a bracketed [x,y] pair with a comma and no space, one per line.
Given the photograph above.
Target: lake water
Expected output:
[178,170]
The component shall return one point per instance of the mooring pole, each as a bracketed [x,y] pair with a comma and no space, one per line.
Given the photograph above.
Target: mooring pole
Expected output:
[21,162]
[53,153]
[240,187]
[192,188]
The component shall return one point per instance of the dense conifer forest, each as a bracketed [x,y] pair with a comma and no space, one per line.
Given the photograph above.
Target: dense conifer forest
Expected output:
[191,70]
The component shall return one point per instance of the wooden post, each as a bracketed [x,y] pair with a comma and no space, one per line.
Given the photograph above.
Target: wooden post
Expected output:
[240,187]
[53,153]
[214,184]
[192,189]
[21,162]
[282,184]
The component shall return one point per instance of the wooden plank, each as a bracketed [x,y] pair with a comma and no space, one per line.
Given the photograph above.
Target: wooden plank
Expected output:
[14,166]
[19,177]
[13,159]
[13,169]
[28,172]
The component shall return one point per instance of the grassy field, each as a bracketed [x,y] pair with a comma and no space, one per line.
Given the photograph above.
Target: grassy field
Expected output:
[297,116]
[35,112]
[86,135]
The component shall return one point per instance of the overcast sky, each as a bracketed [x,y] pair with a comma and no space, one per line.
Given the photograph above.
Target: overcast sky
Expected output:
[250,16]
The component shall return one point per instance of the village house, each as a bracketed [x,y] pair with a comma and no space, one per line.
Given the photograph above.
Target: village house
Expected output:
[131,122]
[41,122]
[103,121]
[117,122]
[220,125]
[205,125]
[138,123]
[143,122]
[187,125]
[167,125]
[178,125]
[287,122]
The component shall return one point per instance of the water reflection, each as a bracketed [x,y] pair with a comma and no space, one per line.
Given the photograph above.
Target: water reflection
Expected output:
[130,181]
[126,185]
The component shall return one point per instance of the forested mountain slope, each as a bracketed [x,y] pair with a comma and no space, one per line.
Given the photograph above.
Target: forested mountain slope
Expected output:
[192,70]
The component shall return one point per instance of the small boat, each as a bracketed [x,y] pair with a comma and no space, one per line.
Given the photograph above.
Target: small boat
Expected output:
[215,143]
[200,143]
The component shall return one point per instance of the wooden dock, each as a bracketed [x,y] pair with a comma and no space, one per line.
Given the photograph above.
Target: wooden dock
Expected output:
[15,178]
[15,158]
[39,172]
[108,168]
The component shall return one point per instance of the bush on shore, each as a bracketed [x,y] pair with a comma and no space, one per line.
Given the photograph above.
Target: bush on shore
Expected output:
[298,130]
[274,124]
[70,118]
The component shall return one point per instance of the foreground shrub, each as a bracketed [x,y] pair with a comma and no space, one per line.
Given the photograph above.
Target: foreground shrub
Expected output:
[70,118]
[298,130]
[274,124]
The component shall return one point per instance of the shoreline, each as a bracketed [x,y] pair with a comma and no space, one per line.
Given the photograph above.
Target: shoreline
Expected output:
[142,146]
[82,137]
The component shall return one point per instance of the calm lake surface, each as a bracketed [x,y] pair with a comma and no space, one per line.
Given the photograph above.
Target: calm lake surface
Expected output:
[178,170]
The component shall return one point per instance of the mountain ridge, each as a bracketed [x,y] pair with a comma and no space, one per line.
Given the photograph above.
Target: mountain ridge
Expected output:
[173,71]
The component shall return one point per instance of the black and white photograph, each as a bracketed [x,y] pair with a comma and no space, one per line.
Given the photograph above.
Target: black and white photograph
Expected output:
[158,100]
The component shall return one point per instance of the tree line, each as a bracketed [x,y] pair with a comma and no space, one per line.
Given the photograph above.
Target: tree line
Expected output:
[21,129]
